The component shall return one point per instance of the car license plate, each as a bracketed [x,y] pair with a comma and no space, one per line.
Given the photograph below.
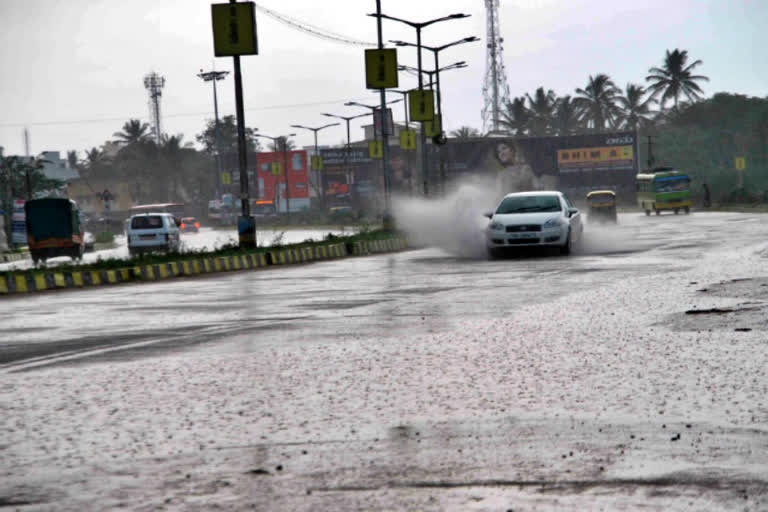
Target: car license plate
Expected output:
[524,235]
[147,237]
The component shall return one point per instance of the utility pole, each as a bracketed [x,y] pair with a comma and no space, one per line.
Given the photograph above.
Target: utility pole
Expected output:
[384,131]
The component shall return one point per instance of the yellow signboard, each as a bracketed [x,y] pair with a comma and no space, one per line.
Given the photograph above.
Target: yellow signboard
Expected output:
[421,105]
[408,139]
[234,29]
[596,157]
[740,163]
[375,149]
[317,163]
[226,178]
[277,168]
[434,127]
[381,69]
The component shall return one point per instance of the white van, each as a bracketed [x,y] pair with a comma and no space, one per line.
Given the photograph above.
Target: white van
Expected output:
[152,232]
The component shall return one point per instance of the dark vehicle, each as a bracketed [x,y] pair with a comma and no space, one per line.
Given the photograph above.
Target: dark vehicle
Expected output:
[54,229]
[602,206]
[189,224]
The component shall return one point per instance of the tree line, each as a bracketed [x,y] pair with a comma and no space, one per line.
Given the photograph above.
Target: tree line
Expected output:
[601,105]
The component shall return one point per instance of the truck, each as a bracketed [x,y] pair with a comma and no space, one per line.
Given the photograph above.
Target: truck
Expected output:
[54,229]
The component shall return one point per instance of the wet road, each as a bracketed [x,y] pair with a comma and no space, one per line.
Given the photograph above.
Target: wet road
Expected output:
[414,381]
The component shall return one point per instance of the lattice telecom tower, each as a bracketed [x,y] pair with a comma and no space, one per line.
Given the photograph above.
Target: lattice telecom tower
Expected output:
[495,88]
[154,84]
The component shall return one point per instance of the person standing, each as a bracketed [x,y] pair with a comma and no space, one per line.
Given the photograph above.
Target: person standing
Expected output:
[707,198]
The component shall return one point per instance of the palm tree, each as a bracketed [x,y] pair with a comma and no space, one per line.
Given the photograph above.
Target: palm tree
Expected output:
[465,133]
[674,78]
[96,162]
[566,118]
[635,107]
[516,116]
[542,108]
[133,131]
[282,144]
[598,102]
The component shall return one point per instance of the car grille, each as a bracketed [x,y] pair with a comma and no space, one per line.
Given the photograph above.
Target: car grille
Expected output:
[522,241]
[523,228]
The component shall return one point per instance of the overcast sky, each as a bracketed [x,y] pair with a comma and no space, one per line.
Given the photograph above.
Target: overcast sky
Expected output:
[71,71]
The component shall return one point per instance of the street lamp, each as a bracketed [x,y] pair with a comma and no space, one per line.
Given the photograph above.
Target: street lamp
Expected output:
[347,120]
[384,130]
[317,154]
[215,76]
[418,27]
[282,139]
[436,52]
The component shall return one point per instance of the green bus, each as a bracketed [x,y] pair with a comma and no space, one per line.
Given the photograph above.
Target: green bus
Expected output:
[664,189]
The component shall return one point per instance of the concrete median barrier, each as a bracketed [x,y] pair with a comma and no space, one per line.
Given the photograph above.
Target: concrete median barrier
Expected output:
[21,282]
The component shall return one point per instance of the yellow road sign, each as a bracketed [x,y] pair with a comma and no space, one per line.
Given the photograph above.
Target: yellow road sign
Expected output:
[433,127]
[234,29]
[226,178]
[381,68]
[317,163]
[421,105]
[277,168]
[740,163]
[408,139]
[375,149]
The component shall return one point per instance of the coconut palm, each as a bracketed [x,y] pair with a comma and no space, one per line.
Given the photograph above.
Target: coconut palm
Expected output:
[133,131]
[465,133]
[282,144]
[566,117]
[96,162]
[542,108]
[598,102]
[674,78]
[635,107]
[516,116]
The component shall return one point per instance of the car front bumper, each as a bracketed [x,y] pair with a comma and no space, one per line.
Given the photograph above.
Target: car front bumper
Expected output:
[549,237]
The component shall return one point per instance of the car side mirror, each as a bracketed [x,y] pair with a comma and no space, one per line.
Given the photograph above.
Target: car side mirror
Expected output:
[488,214]
[177,221]
[572,211]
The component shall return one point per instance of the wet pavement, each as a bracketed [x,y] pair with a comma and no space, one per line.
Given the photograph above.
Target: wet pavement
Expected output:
[629,376]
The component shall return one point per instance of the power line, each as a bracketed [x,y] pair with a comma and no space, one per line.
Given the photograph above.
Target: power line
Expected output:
[187,114]
[314,30]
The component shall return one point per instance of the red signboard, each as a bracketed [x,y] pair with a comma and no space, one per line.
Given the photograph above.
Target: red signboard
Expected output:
[297,172]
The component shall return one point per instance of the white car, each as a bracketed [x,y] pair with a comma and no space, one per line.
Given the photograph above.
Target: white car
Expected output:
[153,231]
[526,219]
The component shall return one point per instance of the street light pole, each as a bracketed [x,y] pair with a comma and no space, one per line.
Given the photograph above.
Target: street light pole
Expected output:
[347,120]
[317,153]
[385,142]
[418,27]
[215,76]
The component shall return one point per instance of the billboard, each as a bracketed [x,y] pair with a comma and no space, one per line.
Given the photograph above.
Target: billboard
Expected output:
[573,163]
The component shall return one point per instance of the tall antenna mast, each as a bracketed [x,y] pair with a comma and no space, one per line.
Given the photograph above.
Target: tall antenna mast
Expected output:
[495,88]
[154,84]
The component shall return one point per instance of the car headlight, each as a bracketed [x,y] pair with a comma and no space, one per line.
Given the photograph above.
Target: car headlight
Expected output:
[554,222]
[496,226]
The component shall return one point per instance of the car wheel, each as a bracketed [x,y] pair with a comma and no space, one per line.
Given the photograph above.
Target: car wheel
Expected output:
[492,253]
[677,210]
[647,213]
[566,248]
[687,210]
[658,212]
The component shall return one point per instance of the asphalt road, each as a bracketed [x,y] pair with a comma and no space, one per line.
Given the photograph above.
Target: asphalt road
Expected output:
[629,376]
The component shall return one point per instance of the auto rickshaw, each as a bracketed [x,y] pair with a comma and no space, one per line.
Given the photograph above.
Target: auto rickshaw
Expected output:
[602,206]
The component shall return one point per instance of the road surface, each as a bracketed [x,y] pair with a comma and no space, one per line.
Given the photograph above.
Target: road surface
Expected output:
[629,376]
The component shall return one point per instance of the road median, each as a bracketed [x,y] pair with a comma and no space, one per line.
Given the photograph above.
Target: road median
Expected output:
[72,278]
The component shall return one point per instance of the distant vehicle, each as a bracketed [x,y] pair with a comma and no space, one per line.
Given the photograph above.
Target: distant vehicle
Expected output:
[175,209]
[54,229]
[263,208]
[664,189]
[602,206]
[189,224]
[221,213]
[526,219]
[152,232]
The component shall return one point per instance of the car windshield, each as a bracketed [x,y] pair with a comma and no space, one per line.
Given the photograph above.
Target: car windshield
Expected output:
[529,204]
[147,222]
[675,184]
